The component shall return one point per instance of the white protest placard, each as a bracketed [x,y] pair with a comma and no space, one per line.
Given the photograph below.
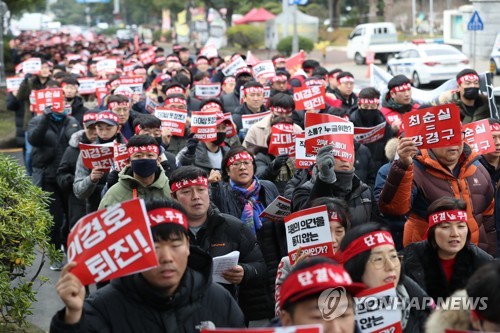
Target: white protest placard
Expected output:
[32,66]
[302,159]
[151,105]
[222,264]
[112,242]
[13,83]
[173,119]
[264,69]
[206,91]
[309,230]
[316,328]
[87,86]
[135,83]
[367,135]
[204,125]
[277,210]
[234,66]
[101,83]
[209,51]
[247,120]
[106,65]
[376,310]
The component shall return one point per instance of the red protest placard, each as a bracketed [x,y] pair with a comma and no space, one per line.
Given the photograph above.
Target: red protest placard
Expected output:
[378,317]
[307,98]
[97,156]
[147,57]
[478,136]
[120,156]
[309,230]
[328,130]
[48,97]
[204,125]
[295,61]
[317,328]
[282,140]
[434,127]
[302,159]
[111,243]
[367,135]
[230,129]
[173,119]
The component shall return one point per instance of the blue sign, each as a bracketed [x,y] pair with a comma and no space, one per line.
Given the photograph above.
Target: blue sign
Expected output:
[297,2]
[92,1]
[475,22]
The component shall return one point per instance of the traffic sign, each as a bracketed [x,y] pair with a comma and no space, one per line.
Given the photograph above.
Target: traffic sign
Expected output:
[475,22]
[297,2]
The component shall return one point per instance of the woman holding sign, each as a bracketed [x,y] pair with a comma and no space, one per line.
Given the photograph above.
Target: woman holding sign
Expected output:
[370,257]
[445,260]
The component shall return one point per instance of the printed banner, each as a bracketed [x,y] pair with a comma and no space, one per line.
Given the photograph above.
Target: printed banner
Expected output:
[204,125]
[282,140]
[309,229]
[48,97]
[206,91]
[247,120]
[277,210]
[13,83]
[324,130]
[120,156]
[307,98]
[106,65]
[302,159]
[173,119]
[367,135]
[434,127]
[264,69]
[234,66]
[87,85]
[478,136]
[97,156]
[112,243]
[374,314]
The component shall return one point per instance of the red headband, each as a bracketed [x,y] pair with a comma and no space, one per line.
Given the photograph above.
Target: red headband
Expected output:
[229,80]
[90,117]
[159,59]
[447,216]
[368,101]
[167,215]
[140,149]
[279,78]
[315,279]
[250,90]
[202,61]
[403,87]
[495,127]
[112,105]
[367,242]
[279,109]
[174,90]
[468,77]
[477,315]
[346,79]
[211,106]
[243,156]
[200,181]
[137,129]
[277,60]
[107,115]
[334,75]
[172,59]
[139,71]
[175,100]
[312,83]
[335,217]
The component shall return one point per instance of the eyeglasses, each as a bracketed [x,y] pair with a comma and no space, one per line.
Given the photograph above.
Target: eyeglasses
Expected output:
[380,261]
[238,165]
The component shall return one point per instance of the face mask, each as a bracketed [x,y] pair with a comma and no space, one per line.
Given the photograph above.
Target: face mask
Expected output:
[471,93]
[58,116]
[368,114]
[144,167]
[221,136]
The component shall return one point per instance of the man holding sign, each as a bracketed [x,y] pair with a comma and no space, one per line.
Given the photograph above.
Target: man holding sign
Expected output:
[170,297]
[444,166]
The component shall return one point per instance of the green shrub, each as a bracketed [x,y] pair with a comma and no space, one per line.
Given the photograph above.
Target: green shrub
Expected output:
[245,36]
[25,222]
[285,45]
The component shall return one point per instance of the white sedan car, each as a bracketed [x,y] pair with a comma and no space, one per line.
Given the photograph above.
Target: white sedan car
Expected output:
[426,63]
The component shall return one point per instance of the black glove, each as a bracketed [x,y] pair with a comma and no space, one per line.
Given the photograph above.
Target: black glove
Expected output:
[279,161]
[191,145]
[325,164]
[112,178]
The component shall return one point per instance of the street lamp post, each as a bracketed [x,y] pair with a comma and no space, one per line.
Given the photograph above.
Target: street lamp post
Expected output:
[3,11]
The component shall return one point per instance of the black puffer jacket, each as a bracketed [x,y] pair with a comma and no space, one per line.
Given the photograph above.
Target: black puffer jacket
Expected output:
[223,234]
[66,176]
[230,101]
[200,157]
[361,202]
[130,304]
[271,236]
[29,84]
[78,109]
[364,166]
[417,317]
[49,140]
[421,263]
[13,104]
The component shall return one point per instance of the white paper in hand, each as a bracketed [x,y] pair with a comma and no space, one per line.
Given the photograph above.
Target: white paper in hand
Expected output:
[223,263]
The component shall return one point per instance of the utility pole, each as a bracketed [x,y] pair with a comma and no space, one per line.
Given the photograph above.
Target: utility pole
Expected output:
[3,10]
[295,40]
